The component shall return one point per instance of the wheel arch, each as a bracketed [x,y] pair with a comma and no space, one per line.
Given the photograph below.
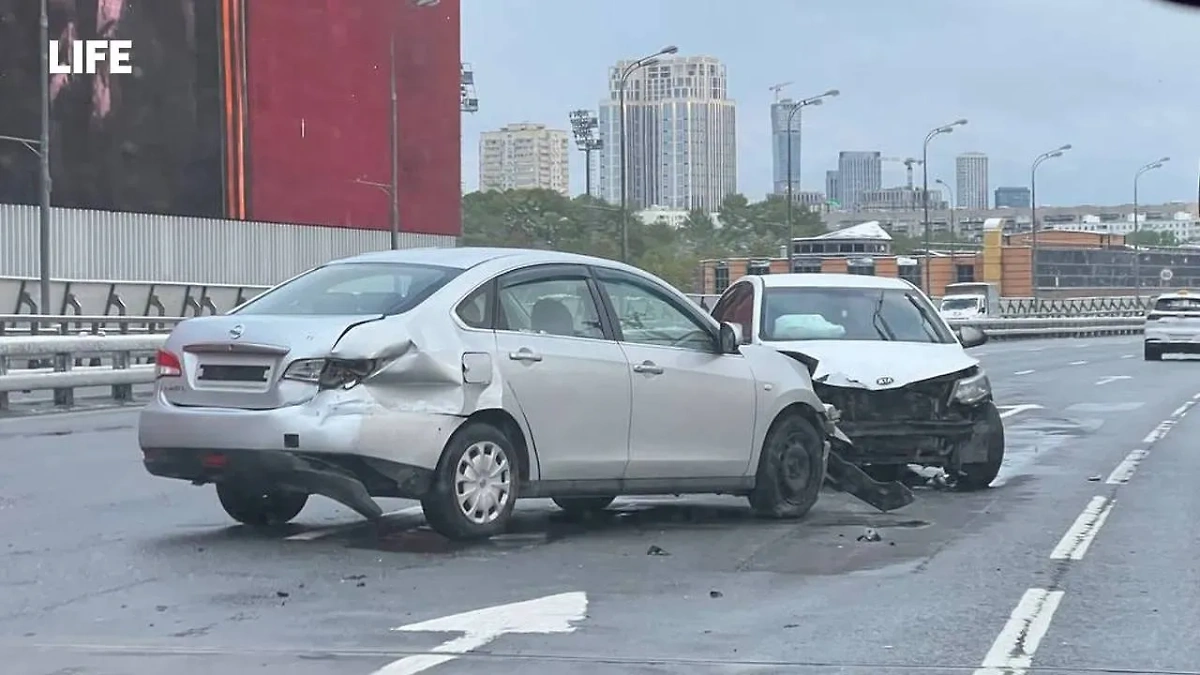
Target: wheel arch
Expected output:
[511,428]
[800,402]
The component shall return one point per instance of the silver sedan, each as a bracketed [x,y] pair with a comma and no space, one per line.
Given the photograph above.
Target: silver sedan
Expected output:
[468,378]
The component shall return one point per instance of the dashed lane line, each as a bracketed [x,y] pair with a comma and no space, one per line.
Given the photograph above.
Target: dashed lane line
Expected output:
[321,533]
[1024,372]
[1083,531]
[1011,410]
[1077,363]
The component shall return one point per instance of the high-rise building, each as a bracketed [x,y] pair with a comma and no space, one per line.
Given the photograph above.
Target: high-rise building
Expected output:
[858,171]
[1012,197]
[780,138]
[679,129]
[971,178]
[524,156]
[833,186]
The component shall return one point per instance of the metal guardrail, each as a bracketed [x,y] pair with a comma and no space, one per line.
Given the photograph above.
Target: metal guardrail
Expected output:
[119,359]
[1101,306]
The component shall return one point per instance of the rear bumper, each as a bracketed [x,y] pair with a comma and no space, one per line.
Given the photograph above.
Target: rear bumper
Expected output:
[325,426]
[1173,340]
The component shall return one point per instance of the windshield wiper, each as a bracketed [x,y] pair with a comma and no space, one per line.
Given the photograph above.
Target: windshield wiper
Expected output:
[880,325]
[926,321]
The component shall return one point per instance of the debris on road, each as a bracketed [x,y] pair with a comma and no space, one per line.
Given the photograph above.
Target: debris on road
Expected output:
[655,550]
[870,535]
[715,594]
[354,577]
[1093,479]
[282,594]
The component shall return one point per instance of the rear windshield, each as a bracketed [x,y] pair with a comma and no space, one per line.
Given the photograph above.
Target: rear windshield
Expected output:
[353,289]
[1177,305]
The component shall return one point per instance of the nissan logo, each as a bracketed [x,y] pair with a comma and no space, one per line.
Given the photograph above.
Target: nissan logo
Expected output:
[236,331]
[884,381]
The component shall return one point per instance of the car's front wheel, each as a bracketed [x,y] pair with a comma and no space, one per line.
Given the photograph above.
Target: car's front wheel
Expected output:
[979,475]
[259,506]
[475,486]
[791,469]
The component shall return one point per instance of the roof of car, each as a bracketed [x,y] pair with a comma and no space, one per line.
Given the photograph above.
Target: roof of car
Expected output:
[1182,293]
[468,256]
[822,280]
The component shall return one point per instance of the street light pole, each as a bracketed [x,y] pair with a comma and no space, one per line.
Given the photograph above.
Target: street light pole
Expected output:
[629,70]
[1137,257]
[944,129]
[1033,221]
[393,134]
[44,162]
[792,113]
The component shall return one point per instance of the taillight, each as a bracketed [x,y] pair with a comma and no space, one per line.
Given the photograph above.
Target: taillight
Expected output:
[167,364]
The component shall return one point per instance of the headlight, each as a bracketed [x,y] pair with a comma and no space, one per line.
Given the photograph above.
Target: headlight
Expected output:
[329,373]
[972,390]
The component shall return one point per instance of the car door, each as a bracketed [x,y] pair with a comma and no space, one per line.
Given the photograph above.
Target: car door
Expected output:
[736,305]
[569,378]
[693,407]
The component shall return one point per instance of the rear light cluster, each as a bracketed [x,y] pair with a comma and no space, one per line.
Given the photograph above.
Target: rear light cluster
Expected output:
[330,373]
[167,364]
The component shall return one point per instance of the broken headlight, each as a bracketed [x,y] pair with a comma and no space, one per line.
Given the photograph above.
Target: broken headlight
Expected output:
[330,373]
[972,390]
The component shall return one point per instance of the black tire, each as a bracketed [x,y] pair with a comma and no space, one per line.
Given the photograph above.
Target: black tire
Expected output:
[1153,353]
[583,505]
[445,506]
[260,507]
[791,469]
[979,475]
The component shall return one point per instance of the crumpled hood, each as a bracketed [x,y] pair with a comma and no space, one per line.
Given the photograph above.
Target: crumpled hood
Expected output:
[861,364]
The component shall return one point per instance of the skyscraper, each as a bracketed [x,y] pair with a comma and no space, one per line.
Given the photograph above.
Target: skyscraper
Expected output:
[858,170]
[833,186]
[779,146]
[1012,198]
[971,178]
[524,156]
[679,126]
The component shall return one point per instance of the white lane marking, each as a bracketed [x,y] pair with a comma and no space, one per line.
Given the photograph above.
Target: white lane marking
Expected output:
[551,614]
[1083,531]
[1127,467]
[1013,650]
[1024,372]
[1112,378]
[321,533]
[1077,363]
[1013,410]
[1128,356]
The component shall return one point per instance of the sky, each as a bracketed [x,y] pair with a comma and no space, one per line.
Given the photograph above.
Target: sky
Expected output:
[1117,79]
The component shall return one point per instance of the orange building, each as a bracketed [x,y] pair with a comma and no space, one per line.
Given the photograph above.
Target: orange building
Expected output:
[1070,264]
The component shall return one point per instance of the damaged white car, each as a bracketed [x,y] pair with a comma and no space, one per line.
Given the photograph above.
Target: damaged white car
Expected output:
[468,378]
[906,390]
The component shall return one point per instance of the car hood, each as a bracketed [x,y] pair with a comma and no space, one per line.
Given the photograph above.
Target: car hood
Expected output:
[870,365]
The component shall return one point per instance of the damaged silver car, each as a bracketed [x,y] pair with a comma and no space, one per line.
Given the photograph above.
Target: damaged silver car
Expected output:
[907,392]
[468,378]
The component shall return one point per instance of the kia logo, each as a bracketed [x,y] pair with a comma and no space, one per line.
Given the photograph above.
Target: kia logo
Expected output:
[236,331]
[884,381]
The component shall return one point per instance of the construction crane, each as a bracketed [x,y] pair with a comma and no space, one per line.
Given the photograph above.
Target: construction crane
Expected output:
[778,88]
[908,166]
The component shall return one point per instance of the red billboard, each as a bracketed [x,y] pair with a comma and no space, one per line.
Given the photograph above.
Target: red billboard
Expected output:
[272,110]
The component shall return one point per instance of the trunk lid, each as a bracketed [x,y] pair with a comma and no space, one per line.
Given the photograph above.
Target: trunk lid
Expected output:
[237,361]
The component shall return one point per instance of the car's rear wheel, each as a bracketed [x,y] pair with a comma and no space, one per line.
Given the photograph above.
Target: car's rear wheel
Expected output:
[475,486]
[979,475]
[791,469]
[1153,352]
[258,506]
[583,505]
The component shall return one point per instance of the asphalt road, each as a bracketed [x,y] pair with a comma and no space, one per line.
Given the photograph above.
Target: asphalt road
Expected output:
[1079,560]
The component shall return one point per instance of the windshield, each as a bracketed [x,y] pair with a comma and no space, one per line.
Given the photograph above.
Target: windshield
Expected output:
[1177,305]
[960,303]
[353,289]
[850,314]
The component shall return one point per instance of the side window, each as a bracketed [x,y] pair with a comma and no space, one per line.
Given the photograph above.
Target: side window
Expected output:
[737,306]
[475,310]
[550,306]
[648,318]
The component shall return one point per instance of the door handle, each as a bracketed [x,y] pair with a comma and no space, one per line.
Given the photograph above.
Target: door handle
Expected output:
[649,368]
[524,355]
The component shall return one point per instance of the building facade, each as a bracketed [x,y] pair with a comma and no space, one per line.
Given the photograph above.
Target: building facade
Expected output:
[524,156]
[781,138]
[1012,198]
[833,187]
[680,134]
[971,178]
[858,172]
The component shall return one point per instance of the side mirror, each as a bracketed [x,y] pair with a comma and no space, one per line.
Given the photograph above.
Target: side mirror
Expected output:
[971,336]
[729,338]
